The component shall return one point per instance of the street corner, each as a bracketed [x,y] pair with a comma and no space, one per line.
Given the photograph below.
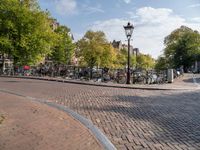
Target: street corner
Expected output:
[34,125]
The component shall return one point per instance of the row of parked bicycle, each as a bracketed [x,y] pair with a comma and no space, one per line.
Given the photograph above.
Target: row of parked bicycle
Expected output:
[95,75]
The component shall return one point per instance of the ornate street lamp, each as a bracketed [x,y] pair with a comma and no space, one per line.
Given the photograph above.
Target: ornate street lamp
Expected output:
[128,30]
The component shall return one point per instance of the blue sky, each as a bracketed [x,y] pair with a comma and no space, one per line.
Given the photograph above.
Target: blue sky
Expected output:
[153,19]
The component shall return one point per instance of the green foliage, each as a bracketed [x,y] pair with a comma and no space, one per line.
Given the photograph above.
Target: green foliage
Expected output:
[94,50]
[64,48]
[161,64]
[108,56]
[122,58]
[6,25]
[133,60]
[182,47]
[25,31]
[145,62]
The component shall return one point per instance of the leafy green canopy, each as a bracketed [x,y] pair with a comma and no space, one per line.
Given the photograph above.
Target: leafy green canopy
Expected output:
[182,47]
[94,50]
[161,63]
[64,48]
[145,62]
[122,56]
[25,32]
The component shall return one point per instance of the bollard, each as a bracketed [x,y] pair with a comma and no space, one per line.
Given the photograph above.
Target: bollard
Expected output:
[170,76]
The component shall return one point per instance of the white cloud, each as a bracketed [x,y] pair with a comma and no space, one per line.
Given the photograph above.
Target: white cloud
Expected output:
[113,28]
[65,7]
[196,19]
[152,15]
[194,5]
[68,7]
[92,9]
[151,26]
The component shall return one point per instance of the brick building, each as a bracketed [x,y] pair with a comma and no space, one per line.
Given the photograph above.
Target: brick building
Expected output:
[119,45]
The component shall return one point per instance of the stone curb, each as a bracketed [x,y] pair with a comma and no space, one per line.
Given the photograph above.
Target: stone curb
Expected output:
[103,140]
[94,84]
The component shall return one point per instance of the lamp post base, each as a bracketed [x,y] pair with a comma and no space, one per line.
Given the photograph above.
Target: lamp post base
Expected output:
[128,81]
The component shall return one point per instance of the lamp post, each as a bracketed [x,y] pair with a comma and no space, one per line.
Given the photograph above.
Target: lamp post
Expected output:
[128,30]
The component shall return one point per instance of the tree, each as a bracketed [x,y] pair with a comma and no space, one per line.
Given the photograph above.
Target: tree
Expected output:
[6,26]
[27,31]
[94,50]
[145,62]
[64,48]
[121,60]
[182,47]
[122,57]
[161,63]
[108,56]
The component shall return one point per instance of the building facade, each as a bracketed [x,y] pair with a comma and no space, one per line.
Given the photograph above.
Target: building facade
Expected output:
[6,64]
[120,46]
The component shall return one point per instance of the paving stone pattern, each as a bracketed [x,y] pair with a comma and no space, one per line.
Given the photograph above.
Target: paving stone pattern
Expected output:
[28,125]
[131,119]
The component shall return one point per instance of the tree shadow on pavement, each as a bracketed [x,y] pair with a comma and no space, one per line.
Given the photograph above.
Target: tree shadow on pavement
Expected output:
[190,80]
[11,81]
[173,118]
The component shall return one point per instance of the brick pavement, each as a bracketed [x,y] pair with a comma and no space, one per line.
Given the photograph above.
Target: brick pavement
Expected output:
[131,119]
[28,125]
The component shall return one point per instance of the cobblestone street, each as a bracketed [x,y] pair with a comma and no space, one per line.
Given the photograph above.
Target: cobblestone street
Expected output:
[131,119]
